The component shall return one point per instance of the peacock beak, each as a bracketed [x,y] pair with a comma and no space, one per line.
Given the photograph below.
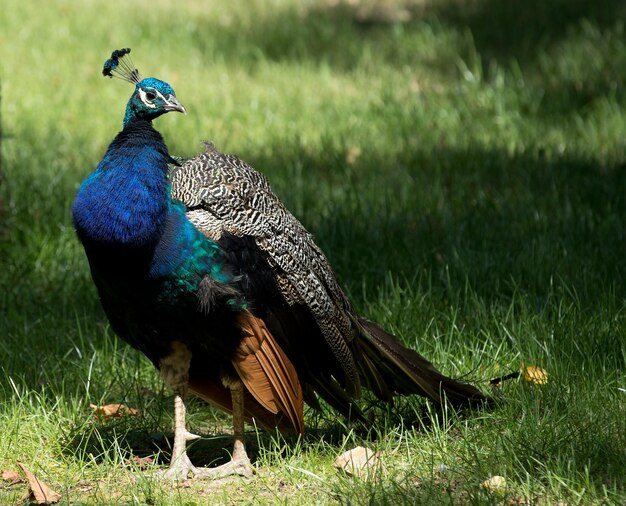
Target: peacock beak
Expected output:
[173,104]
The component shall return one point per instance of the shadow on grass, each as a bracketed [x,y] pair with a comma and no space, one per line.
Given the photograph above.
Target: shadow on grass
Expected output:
[101,442]
[519,30]
[135,439]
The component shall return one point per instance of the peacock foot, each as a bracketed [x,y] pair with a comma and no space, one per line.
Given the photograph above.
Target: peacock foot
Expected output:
[182,469]
[240,466]
[179,470]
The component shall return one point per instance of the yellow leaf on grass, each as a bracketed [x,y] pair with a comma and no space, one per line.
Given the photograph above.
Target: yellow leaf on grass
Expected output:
[110,410]
[496,485]
[352,155]
[535,375]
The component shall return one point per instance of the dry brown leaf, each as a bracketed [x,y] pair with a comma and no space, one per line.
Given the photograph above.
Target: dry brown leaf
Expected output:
[361,462]
[84,486]
[142,463]
[11,476]
[535,375]
[38,492]
[109,411]
[518,500]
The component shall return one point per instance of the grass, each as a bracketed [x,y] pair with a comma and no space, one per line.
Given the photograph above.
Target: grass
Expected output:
[464,172]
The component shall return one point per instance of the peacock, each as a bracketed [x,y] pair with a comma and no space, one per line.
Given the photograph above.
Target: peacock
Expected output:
[201,267]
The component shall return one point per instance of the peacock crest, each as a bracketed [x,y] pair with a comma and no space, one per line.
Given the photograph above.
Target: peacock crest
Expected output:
[121,65]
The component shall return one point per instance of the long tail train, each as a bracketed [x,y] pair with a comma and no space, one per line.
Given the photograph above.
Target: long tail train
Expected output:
[392,368]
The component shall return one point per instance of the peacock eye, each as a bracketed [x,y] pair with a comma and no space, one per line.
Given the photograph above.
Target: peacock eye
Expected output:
[150,95]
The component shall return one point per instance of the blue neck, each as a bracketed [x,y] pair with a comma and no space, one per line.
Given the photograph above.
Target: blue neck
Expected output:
[125,200]
[129,114]
[136,112]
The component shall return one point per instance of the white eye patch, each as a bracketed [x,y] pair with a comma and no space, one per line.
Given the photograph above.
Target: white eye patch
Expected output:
[144,97]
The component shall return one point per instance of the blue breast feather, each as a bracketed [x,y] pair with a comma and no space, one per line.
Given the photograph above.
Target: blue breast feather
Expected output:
[124,201]
[125,206]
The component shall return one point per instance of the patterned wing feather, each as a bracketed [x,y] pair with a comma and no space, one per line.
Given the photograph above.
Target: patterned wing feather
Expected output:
[224,195]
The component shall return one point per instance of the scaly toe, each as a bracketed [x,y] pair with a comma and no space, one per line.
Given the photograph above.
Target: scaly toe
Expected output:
[239,467]
[179,470]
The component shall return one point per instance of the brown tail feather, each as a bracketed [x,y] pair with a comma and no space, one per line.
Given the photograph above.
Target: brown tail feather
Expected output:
[407,372]
[267,372]
[273,395]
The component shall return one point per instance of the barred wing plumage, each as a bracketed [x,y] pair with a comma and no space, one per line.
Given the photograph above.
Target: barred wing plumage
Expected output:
[224,195]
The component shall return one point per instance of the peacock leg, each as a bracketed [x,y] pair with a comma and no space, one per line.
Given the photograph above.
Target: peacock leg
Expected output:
[180,465]
[239,463]
[175,372]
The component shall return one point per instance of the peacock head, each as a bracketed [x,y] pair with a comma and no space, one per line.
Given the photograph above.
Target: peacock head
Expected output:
[151,98]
